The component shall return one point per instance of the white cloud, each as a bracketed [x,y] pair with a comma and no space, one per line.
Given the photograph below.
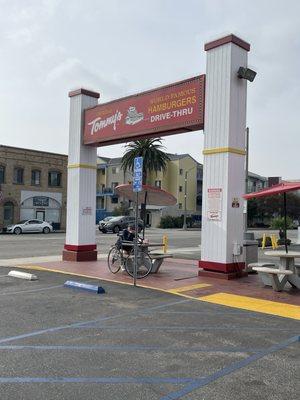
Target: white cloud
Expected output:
[119,47]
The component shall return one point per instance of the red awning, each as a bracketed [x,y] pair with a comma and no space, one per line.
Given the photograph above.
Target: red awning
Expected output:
[282,187]
[153,195]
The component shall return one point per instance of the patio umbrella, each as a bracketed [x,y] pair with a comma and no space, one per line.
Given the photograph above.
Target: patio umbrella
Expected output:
[281,188]
[150,195]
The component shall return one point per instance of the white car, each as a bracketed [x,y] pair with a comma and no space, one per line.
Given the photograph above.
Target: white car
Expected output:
[30,225]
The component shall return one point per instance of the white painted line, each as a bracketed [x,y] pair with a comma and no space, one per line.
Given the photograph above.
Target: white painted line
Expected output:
[22,275]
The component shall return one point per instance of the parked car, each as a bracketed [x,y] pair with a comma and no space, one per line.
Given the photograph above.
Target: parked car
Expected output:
[103,222]
[30,225]
[116,224]
[295,224]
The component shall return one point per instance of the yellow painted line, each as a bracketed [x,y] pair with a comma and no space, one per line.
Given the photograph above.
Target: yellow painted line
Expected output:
[219,150]
[39,268]
[253,304]
[225,299]
[87,166]
[187,288]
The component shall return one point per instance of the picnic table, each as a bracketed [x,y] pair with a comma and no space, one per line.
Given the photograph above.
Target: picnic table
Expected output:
[157,258]
[290,271]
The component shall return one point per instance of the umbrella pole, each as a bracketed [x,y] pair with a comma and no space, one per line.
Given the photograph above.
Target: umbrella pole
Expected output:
[144,216]
[285,222]
[136,238]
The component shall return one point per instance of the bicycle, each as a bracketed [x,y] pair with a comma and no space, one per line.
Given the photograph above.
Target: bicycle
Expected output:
[118,258]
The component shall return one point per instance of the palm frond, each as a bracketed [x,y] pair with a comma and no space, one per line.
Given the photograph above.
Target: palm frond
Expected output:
[151,150]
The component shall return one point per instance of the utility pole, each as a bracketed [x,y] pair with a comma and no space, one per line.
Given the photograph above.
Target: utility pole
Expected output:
[185,190]
[246,179]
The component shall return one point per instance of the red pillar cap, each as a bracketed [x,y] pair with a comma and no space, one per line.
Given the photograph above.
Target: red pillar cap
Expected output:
[227,39]
[86,92]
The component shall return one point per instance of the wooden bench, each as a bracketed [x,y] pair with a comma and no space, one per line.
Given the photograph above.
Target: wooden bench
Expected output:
[157,260]
[273,274]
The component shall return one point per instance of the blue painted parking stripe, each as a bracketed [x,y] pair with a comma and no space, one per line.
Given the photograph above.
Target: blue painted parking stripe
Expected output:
[230,369]
[103,380]
[32,290]
[78,324]
[84,286]
[129,348]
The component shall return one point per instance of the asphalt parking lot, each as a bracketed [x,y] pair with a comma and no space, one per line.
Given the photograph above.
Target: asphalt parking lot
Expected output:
[136,343]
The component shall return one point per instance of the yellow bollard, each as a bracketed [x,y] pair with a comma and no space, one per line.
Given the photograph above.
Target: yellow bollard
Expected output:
[263,243]
[165,243]
[273,241]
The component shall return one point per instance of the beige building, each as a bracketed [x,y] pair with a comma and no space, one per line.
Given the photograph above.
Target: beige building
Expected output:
[33,185]
[182,178]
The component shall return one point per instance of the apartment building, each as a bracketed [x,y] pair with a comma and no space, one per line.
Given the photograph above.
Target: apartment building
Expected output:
[182,178]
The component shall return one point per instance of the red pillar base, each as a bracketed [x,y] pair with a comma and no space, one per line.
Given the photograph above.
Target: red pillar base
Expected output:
[222,270]
[80,253]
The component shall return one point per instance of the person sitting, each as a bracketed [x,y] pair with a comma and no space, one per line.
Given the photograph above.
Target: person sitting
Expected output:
[127,235]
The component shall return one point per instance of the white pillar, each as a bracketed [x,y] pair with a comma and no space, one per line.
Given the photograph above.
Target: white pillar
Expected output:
[224,157]
[81,194]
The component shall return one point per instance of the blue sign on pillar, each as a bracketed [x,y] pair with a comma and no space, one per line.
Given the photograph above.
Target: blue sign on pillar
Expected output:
[138,174]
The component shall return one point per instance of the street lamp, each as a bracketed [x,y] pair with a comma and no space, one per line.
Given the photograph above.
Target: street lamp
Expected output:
[246,73]
[185,195]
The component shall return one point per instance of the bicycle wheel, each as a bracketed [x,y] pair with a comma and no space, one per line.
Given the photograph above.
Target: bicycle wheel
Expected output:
[144,264]
[114,260]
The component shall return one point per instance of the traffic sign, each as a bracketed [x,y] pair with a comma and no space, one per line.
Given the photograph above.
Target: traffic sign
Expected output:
[138,164]
[138,174]
[137,186]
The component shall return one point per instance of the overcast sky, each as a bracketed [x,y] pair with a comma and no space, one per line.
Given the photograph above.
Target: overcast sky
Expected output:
[119,47]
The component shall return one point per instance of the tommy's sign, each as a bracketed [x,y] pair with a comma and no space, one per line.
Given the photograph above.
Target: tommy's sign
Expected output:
[164,111]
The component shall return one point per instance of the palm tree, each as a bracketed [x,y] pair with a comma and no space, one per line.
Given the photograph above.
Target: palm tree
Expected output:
[154,158]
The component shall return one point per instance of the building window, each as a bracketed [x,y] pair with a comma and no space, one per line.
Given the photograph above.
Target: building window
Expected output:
[157,184]
[180,188]
[103,171]
[54,178]
[115,170]
[180,206]
[180,171]
[35,177]
[114,200]
[114,185]
[18,175]
[2,174]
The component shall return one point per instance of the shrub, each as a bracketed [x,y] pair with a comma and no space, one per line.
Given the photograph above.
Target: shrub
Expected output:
[171,222]
[123,209]
[278,223]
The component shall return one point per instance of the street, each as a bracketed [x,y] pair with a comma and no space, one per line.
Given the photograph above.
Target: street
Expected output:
[183,244]
[35,244]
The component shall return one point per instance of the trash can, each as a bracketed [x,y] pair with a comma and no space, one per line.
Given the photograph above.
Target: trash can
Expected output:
[249,236]
[250,252]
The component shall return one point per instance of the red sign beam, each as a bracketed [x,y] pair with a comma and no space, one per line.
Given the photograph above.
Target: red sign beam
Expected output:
[163,111]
